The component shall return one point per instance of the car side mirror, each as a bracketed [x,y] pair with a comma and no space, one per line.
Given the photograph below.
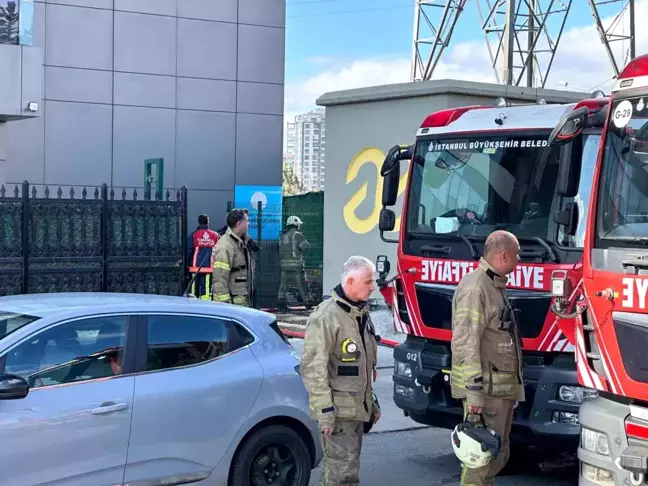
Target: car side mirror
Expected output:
[569,127]
[13,387]
[568,218]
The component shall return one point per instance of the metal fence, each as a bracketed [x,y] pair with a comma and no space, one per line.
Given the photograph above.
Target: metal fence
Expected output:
[92,239]
[266,224]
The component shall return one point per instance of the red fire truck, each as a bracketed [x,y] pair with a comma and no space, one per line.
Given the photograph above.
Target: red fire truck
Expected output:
[611,330]
[474,170]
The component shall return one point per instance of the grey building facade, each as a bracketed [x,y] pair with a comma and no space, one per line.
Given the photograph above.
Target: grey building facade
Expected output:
[199,83]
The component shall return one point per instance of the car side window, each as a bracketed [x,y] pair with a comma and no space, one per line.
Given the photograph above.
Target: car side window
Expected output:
[176,341]
[81,350]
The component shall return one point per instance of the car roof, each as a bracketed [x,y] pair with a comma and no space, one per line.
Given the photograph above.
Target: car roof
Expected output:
[73,304]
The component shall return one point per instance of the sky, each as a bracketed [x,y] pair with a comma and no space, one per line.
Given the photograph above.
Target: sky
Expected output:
[342,44]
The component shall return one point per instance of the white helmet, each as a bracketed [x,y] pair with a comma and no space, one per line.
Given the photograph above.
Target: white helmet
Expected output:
[475,445]
[293,221]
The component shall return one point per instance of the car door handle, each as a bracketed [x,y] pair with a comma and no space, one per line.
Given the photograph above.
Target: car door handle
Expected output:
[109,407]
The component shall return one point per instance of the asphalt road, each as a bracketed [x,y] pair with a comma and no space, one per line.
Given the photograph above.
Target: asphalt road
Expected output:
[398,451]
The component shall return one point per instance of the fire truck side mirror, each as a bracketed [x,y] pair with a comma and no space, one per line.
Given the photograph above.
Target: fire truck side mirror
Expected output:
[569,127]
[568,218]
[569,169]
[387,220]
[390,188]
[390,171]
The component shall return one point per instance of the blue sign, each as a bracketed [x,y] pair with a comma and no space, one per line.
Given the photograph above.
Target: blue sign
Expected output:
[271,198]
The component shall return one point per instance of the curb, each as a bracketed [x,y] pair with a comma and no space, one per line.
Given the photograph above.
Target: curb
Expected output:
[297,331]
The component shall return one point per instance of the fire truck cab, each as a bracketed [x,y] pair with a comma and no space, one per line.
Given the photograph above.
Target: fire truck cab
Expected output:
[611,335]
[473,170]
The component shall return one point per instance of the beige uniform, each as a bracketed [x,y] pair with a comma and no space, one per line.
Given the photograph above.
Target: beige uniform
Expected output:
[337,366]
[233,270]
[486,359]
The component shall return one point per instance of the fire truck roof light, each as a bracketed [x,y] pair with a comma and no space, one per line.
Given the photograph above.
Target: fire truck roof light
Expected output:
[445,117]
[637,67]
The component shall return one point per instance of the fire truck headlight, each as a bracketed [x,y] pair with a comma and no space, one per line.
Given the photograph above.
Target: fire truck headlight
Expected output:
[596,475]
[576,394]
[594,442]
[406,391]
[403,369]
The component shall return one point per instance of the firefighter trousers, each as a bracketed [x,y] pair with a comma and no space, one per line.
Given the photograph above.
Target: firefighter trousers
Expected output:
[342,454]
[293,279]
[498,415]
[201,287]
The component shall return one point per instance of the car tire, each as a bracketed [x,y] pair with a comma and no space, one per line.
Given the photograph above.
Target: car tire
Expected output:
[272,450]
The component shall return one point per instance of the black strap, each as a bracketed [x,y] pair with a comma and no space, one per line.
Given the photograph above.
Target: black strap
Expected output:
[514,330]
[238,269]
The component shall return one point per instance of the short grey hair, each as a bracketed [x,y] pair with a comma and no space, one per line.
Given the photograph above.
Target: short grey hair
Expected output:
[356,264]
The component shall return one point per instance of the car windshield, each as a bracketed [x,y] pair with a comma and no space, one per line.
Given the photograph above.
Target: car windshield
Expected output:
[10,322]
[473,186]
[622,212]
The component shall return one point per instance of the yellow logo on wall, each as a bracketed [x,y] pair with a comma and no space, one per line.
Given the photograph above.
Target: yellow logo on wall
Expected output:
[375,157]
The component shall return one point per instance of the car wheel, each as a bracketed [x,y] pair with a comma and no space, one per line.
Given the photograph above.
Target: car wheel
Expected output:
[273,455]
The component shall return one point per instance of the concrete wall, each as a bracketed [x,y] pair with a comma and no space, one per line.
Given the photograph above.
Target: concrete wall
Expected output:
[361,126]
[197,82]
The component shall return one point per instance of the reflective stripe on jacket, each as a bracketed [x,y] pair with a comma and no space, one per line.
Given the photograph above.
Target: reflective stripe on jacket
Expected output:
[486,351]
[232,276]
[338,361]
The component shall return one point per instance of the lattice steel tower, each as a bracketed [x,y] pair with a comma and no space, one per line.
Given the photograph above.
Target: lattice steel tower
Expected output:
[522,36]
[623,9]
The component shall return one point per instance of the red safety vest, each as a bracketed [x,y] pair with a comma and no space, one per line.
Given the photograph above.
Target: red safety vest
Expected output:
[204,240]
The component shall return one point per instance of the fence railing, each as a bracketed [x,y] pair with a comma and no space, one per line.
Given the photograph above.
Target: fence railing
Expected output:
[266,226]
[92,239]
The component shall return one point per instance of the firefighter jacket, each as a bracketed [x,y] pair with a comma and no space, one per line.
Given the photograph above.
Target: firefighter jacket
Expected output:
[292,245]
[233,270]
[338,361]
[486,348]
[201,244]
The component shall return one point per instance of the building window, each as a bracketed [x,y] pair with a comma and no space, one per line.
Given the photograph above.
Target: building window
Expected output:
[17,22]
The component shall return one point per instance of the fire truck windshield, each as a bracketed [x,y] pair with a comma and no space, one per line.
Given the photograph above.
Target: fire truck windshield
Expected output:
[475,185]
[622,213]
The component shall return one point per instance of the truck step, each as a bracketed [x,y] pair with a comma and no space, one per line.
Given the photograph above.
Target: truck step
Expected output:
[587,327]
[594,355]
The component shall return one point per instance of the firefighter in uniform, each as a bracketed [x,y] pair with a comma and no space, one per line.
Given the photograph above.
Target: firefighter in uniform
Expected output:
[292,245]
[201,244]
[233,265]
[486,349]
[338,365]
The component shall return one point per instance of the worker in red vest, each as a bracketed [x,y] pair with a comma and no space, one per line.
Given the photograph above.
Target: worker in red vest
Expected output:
[201,257]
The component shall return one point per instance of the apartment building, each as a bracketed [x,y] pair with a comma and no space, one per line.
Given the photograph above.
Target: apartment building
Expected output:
[306,148]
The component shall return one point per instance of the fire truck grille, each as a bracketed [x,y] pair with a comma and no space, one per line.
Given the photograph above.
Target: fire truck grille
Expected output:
[533,309]
[632,334]
[435,304]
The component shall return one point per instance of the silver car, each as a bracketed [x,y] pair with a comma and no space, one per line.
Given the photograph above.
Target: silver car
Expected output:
[101,389]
